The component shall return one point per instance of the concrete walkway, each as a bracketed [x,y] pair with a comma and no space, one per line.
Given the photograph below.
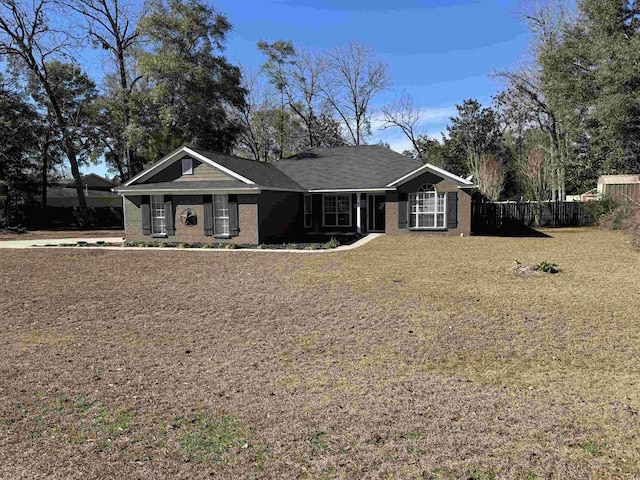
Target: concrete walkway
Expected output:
[60,241]
[34,242]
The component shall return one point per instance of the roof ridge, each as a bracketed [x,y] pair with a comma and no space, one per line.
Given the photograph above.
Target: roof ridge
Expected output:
[235,157]
[333,147]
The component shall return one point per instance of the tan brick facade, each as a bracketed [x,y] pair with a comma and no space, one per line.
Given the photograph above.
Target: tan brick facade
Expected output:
[247,218]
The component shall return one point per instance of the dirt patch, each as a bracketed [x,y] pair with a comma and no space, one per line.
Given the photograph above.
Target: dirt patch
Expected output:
[44,234]
[526,269]
[406,358]
[625,219]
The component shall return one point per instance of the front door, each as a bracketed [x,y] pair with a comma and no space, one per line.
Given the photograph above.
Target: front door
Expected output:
[375,212]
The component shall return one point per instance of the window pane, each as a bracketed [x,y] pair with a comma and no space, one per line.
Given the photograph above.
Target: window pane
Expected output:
[343,203]
[221,214]
[221,226]
[343,219]
[329,203]
[440,220]
[430,204]
[187,166]
[330,219]
[429,219]
[157,215]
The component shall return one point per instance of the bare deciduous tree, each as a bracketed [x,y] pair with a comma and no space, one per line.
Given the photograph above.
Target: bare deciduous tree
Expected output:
[403,114]
[112,26]
[490,178]
[535,173]
[303,89]
[355,75]
[258,137]
[29,40]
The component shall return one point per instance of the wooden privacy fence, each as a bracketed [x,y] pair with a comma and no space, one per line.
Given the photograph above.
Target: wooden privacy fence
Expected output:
[35,217]
[491,216]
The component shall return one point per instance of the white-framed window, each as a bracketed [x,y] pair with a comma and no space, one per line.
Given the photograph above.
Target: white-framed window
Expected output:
[308,211]
[336,210]
[187,166]
[158,223]
[221,215]
[427,208]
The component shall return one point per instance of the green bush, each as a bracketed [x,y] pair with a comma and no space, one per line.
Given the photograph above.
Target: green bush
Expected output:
[622,214]
[604,206]
[548,267]
[333,243]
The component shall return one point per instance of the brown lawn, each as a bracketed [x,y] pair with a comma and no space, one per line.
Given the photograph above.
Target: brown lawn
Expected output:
[406,358]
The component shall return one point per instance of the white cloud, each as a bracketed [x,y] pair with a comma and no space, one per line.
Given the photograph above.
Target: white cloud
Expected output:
[429,116]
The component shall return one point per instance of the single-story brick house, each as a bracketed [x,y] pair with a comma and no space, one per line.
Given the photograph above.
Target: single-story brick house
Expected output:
[193,195]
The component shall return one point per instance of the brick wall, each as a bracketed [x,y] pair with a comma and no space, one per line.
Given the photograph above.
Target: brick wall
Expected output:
[247,213]
[248,217]
[132,218]
[464,210]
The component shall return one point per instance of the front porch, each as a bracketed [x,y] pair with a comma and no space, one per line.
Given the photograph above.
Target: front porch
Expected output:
[344,213]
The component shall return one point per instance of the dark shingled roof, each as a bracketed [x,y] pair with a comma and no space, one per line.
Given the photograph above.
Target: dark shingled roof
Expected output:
[357,167]
[187,185]
[263,174]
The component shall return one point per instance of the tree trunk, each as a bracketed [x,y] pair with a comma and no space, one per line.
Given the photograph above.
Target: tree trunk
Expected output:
[68,145]
[45,169]
[75,171]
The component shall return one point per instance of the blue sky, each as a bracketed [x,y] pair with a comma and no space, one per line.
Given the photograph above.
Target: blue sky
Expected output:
[440,52]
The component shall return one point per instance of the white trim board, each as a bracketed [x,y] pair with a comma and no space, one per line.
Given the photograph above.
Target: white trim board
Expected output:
[351,190]
[210,191]
[433,169]
[256,189]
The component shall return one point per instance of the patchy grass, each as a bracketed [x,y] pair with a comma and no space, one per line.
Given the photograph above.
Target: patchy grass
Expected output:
[414,357]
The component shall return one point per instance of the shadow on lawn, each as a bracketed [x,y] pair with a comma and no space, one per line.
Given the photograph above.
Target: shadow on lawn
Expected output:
[510,230]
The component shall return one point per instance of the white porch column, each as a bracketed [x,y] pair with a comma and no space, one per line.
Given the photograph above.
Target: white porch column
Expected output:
[358,213]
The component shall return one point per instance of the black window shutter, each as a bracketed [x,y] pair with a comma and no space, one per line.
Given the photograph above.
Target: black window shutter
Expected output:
[145,212]
[169,217]
[234,225]
[208,215]
[402,211]
[452,210]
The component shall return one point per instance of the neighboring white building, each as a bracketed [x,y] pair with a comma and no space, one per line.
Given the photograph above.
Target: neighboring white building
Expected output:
[622,186]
